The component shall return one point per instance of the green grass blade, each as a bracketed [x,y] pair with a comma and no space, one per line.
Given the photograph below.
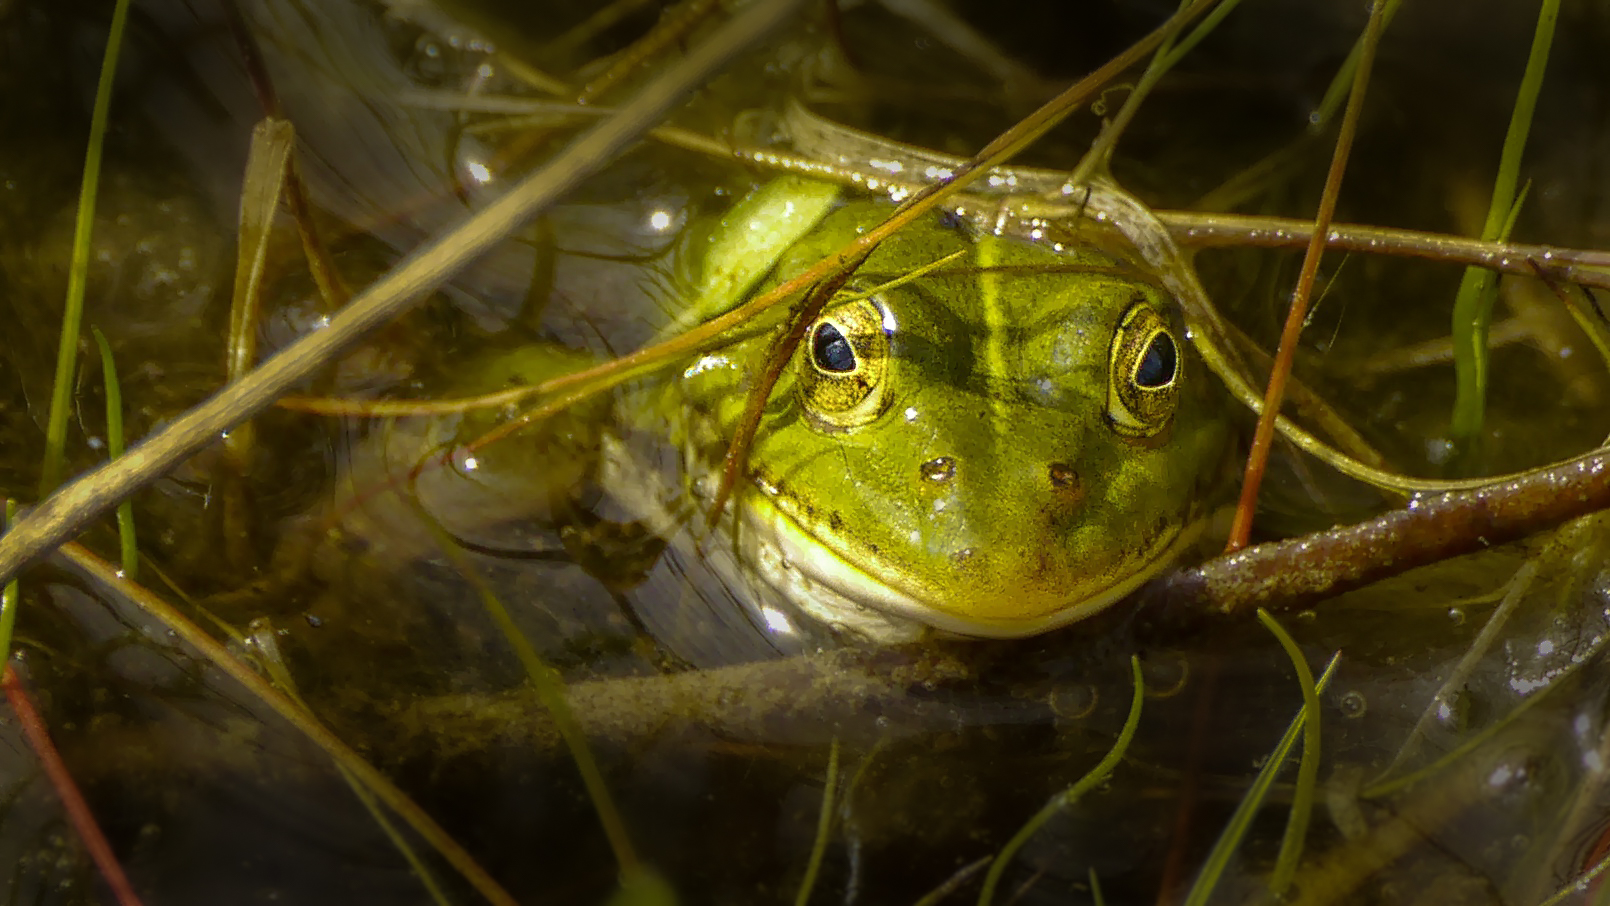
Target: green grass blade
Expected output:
[1302,801]
[55,464]
[263,642]
[1072,794]
[398,841]
[128,544]
[824,827]
[1236,829]
[1095,890]
[953,883]
[1168,54]
[550,690]
[643,887]
[1342,82]
[1473,306]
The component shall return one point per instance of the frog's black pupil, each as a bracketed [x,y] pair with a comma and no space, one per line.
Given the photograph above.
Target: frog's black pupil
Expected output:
[1157,365]
[832,351]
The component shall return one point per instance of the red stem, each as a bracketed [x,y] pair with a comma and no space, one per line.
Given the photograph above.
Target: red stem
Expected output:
[72,800]
[1263,437]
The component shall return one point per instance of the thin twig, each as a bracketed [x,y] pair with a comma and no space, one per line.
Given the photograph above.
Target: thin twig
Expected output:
[1193,229]
[1586,267]
[78,813]
[671,28]
[1263,437]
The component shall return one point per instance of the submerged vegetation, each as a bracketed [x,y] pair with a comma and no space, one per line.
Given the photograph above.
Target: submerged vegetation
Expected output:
[399,634]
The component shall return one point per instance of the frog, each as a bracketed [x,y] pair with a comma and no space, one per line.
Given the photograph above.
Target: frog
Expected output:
[993,447]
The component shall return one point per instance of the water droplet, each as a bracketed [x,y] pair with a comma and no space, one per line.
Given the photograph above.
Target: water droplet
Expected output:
[1453,710]
[1456,616]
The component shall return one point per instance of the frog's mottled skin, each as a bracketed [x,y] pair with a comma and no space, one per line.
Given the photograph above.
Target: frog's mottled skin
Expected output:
[992,482]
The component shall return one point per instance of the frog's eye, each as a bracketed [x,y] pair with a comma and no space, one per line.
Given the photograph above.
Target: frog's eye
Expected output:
[830,351]
[1143,373]
[844,366]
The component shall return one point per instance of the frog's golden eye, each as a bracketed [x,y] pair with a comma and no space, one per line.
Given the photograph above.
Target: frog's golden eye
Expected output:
[844,366]
[1143,373]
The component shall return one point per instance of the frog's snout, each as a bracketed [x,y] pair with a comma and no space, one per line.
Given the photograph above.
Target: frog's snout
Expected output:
[1000,534]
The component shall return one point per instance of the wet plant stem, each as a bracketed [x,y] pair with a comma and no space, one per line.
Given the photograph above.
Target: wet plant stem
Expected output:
[128,544]
[78,813]
[549,688]
[824,826]
[1072,794]
[321,264]
[1263,436]
[778,355]
[1302,800]
[673,27]
[55,462]
[1100,153]
[1478,290]
[1235,830]
[273,662]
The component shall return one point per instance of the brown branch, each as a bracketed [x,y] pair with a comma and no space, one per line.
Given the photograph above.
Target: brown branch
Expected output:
[1300,572]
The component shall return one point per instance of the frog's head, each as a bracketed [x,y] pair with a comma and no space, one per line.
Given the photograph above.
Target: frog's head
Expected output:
[1004,445]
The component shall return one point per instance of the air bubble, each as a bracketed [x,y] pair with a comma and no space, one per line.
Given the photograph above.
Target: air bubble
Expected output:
[1353,704]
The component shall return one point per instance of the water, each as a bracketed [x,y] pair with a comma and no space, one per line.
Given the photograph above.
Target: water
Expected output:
[713,742]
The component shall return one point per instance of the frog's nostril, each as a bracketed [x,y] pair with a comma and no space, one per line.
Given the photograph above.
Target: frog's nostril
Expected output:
[940,468]
[1063,477]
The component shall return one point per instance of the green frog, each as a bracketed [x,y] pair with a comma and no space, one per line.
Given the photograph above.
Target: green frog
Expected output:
[1004,444]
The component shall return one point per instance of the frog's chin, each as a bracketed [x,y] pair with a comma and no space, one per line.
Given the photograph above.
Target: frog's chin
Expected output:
[820,582]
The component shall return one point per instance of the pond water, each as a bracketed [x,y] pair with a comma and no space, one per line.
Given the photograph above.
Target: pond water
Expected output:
[1464,734]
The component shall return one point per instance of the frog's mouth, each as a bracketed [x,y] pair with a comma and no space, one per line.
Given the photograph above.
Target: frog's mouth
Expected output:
[817,578]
